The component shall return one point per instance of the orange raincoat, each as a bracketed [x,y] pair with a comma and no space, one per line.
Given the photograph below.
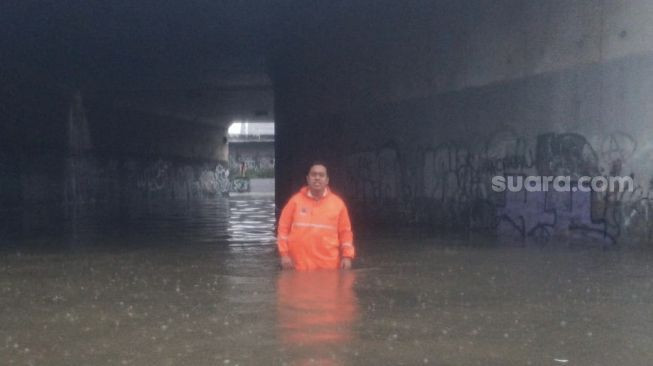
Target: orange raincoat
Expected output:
[316,234]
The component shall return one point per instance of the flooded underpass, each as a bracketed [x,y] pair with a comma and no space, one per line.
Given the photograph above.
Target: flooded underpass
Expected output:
[199,284]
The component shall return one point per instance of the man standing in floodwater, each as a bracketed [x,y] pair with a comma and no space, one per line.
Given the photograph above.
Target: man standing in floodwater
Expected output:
[314,227]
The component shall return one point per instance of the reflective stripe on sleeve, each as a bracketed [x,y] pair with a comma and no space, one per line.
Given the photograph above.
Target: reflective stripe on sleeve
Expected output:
[317,226]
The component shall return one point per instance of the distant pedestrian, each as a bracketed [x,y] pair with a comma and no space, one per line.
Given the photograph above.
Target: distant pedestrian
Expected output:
[243,168]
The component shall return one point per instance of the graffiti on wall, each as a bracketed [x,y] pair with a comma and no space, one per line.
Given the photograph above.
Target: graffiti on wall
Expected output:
[617,147]
[153,177]
[449,185]
[240,185]
[167,179]
[89,179]
[374,176]
[567,154]
[383,179]
[542,216]
[456,179]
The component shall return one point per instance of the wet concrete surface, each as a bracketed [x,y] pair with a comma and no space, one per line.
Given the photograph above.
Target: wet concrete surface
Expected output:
[198,284]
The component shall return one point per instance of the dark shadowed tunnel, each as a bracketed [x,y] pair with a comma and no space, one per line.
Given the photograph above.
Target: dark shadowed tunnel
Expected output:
[127,235]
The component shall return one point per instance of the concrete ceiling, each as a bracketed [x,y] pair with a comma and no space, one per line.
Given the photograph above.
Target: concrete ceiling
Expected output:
[202,61]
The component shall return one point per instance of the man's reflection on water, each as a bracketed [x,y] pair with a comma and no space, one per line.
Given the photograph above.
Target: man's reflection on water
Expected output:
[315,315]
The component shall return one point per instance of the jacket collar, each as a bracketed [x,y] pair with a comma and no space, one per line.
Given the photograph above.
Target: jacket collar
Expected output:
[307,192]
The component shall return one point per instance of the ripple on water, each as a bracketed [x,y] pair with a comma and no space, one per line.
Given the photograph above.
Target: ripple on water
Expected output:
[234,222]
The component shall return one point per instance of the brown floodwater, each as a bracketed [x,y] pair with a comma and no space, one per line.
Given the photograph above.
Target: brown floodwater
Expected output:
[198,284]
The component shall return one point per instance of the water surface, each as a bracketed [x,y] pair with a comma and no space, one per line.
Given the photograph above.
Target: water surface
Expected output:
[198,284]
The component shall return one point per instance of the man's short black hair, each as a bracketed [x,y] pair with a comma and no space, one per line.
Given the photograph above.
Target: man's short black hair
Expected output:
[317,162]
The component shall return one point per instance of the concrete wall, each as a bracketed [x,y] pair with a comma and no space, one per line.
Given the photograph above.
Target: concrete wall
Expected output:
[131,154]
[32,140]
[417,108]
[60,148]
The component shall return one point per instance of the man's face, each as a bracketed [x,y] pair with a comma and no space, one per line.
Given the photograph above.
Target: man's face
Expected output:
[317,178]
